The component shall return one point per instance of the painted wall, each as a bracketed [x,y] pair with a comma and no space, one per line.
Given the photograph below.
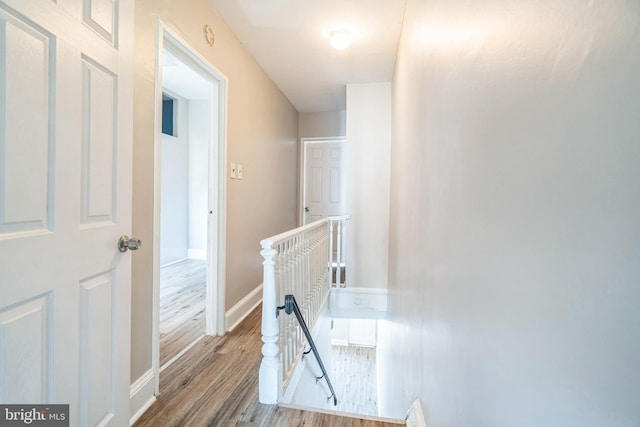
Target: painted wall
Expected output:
[515,214]
[262,134]
[184,210]
[324,124]
[174,228]
[198,177]
[367,183]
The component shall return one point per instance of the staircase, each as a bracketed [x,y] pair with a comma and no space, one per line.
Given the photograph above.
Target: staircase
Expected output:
[306,265]
[298,262]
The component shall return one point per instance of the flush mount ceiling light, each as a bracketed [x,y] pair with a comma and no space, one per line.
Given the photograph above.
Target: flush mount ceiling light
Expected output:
[340,39]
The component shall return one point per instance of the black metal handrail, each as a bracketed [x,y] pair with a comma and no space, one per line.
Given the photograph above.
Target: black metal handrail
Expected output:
[290,305]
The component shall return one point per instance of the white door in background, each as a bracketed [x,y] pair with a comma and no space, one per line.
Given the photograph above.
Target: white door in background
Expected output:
[323,179]
[66,110]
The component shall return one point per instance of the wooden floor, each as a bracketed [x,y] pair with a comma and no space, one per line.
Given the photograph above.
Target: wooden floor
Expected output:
[353,373]
[182,306]
[216,384]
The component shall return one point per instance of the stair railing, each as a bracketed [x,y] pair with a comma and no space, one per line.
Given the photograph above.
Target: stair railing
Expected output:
[305,262]
[291,306]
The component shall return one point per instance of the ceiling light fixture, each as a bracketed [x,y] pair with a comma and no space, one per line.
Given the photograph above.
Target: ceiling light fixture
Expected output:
[340,39]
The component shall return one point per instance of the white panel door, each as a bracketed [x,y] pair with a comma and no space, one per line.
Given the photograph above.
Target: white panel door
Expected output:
[323,194]
[65,198]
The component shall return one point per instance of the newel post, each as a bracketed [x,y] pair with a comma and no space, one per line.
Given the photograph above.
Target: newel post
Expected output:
[270,379]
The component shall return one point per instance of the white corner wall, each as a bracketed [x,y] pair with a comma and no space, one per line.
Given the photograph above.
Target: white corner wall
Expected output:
[199,119]
[367,183]
[514,273]
[174,232]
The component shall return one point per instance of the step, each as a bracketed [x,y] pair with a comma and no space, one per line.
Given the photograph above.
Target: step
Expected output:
[344,414]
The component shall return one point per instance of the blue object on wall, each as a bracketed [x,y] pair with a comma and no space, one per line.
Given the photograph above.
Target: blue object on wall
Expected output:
[167,115]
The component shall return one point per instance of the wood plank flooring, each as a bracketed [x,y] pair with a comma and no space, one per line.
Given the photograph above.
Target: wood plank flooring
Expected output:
[182,306]
[216,384]
[353,372]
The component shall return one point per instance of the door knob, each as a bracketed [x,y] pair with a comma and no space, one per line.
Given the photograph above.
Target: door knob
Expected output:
[306,209]
[125,243]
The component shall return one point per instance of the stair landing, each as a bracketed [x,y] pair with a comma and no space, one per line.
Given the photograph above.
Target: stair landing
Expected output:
[216,384]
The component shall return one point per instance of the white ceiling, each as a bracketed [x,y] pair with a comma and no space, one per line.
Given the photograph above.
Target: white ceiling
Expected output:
[289,39]
[181,79]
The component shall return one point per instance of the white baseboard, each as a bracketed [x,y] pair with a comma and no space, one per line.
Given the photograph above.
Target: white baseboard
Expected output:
[172,262]
[358,303]
[238,312]
[141,395]
[197,254]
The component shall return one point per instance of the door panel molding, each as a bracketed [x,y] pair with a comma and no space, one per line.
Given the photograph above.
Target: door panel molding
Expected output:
[29,121]
[25,351]
[99,155]
[325,183]
[98,305]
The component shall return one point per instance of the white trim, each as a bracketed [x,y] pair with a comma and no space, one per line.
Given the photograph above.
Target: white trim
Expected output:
[216,233]
[200,254]
[173,262]
[243,308]
[302,169]
[141,395]
[179,355]
[415,415]
[358,303]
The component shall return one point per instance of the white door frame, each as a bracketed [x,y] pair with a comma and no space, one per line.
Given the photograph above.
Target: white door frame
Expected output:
[216,226]
[302,177]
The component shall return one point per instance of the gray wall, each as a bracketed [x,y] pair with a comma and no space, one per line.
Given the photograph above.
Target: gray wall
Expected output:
[198,177]
[515,214]
[323,124]
[262,135]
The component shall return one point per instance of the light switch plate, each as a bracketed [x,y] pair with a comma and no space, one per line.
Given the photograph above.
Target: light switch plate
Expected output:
[239,171]
[233,170]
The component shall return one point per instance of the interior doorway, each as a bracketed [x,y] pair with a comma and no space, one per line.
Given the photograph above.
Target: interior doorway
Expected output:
[190,187]
[183,208]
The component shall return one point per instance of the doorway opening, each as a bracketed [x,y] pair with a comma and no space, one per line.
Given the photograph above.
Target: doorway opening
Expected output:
[190,186]
[183,208]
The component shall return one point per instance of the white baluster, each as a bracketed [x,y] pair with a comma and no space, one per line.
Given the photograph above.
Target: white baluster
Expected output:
[339,256]
[270,379]
[331,283]
[298,262]
[285,327]
[298,291]
[310,296]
